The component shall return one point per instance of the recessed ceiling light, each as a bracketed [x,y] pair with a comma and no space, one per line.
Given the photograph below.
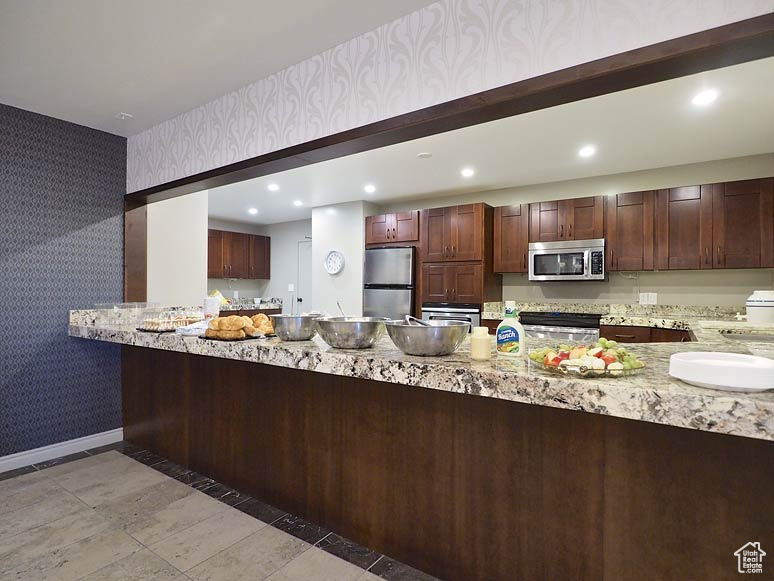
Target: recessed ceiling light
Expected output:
[272,187]
[298,203]
[424,155]
[705,97]
[123,116]
[252,211]
[587,150]
[467,172]
[369,188]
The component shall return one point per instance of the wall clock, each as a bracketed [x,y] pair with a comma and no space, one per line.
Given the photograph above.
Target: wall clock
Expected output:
[334,262]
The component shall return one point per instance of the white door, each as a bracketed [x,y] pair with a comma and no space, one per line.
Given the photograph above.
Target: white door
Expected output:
[304,278]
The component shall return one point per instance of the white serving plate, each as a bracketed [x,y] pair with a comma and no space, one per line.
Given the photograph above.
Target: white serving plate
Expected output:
[725,371]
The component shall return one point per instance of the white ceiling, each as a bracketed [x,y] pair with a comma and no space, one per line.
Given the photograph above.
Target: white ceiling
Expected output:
[644,128]
[87,60]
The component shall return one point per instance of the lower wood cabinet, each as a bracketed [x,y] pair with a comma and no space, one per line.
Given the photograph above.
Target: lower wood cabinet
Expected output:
[631,334]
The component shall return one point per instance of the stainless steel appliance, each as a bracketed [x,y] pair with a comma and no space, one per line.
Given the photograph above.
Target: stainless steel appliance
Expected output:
[388,282]
[561,328]
[466,312]
[567,260]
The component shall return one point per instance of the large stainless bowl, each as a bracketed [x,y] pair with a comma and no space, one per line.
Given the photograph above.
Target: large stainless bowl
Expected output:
[350,332]
[294,327]
[437,338]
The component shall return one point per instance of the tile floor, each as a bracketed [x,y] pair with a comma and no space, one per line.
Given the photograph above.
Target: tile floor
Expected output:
[122,513]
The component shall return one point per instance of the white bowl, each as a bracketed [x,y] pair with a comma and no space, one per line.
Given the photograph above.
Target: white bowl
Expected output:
[725,371]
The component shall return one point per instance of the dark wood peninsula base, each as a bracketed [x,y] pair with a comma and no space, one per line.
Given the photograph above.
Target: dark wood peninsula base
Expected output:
[463,487]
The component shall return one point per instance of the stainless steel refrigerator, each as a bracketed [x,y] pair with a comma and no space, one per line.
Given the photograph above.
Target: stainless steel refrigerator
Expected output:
[388,282]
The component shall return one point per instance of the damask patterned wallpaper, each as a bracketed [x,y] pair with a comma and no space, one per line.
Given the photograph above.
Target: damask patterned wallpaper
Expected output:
[447,50]
[61,237]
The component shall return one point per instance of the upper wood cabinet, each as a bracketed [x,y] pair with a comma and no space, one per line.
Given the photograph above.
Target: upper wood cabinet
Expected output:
[630,230]
[743,224]
[511,238]
[455,233]
[259,262]
[575,219]
[237,255]
[397,227]
[457,283]
[684,228]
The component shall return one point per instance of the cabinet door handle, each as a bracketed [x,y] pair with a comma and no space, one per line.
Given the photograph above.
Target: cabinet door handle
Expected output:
[454,292]
[394,234]
[561,231]
[445,251]
[569,230]
[719,255]
[612,254]
[446,293]
[454,252]
[706,255]
[524,261]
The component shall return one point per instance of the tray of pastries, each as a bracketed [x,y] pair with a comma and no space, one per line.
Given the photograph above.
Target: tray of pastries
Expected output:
[238,328]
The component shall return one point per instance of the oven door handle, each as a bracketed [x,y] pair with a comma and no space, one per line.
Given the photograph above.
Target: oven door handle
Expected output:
[587,263]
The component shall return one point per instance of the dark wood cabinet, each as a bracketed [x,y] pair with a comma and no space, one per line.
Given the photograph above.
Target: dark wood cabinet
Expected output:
[511,238]
[216,265]
[544,222]
[585,218]
[259,263]
[630,231]
[574,219]
[684,228]
[669,335]
[743,224]
[454,234]
[631,334]
[238,255]
[397,227]
[453,283]
[435,283]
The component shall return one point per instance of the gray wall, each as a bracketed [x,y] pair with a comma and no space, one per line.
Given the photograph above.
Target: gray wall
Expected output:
[61,236]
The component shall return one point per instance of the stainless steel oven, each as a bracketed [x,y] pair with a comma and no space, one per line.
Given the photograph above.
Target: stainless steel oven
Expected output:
[469,313]
[567,260]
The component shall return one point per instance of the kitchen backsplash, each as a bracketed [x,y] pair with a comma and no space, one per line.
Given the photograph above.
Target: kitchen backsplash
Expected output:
[495,310]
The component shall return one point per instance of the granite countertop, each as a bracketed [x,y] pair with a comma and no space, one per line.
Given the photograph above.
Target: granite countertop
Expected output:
[648,396]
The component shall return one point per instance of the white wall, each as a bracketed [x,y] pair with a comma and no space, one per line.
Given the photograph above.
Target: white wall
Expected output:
[285,237]
[689,287]
[177,250]
[339,227]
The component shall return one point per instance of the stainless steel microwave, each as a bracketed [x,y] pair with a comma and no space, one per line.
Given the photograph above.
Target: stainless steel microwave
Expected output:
[567,260]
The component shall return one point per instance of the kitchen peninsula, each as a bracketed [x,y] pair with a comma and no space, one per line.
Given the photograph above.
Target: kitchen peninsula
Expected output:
[464,469]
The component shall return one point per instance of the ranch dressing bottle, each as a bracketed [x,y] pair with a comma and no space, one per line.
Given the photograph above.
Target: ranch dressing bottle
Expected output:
[511,340]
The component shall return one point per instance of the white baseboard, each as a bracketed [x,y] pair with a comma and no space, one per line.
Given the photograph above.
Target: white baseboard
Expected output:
[21,459]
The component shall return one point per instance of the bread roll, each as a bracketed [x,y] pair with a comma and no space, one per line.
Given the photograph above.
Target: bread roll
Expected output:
[214,322]
[251,331]
[259,319]
[230,335]
[231,323]
[211,333]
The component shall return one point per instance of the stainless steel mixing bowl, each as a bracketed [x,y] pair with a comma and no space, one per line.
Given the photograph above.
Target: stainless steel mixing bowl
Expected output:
[294,327]
[350,332]
[437,338]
